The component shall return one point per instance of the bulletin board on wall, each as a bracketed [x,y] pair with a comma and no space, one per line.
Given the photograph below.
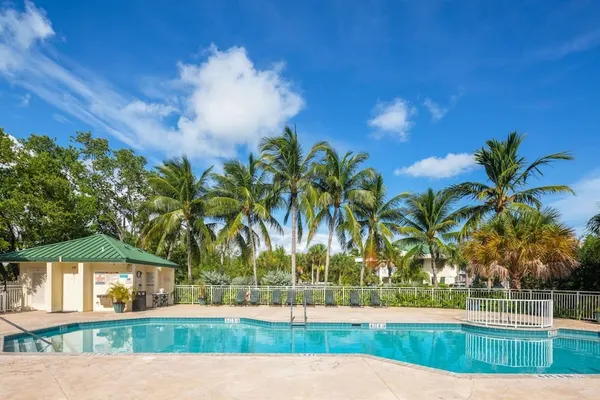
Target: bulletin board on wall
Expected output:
[103,281]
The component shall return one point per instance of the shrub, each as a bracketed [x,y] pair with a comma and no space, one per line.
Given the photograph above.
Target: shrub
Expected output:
[119,293]
[215,278]
[277,278]
[242,281]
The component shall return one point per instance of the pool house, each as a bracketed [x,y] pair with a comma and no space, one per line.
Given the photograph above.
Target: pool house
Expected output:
[74,275]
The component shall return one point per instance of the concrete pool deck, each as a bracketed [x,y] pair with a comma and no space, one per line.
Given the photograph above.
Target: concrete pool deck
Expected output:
[160,376]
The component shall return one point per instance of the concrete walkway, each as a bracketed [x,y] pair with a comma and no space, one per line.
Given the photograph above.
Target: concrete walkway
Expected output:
[172,376]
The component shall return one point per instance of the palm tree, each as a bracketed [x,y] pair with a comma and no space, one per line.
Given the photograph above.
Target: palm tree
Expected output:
[284,157]
[179,204]
[243,200]
[593,224]
[428,220]
[338,184]
[521,243]
[508,174]
[315,256]
[375,224]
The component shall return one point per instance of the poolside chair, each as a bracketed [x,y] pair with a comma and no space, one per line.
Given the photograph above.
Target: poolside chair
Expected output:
[276,297]
[354,299]
[217,297]
[375,300]
[329,300]
[308,298]
[291,297]
[240,298]
[254,297]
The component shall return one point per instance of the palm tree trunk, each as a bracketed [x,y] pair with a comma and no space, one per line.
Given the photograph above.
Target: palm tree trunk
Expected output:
[189,252]
[318,272]
[331,228]
[251,236]
[312,273]
[433,267]
[362,272]
[293,211]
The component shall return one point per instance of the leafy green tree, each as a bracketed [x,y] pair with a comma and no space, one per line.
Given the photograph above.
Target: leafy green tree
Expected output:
[376,221]
[508,175]
[244,201]
[316,256]
[428,220]
[593,224]
[284,158]
[118,182]
[179,206]
[338,181]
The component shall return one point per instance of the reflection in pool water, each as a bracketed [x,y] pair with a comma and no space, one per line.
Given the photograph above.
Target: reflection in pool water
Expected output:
[446,347]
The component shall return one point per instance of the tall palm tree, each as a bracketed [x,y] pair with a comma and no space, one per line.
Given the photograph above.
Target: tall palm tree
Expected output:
[315,255]
[284,157]
[376,223]
[338,183]
[508,175]
[428,219]
[179,205]
[593,224]
[521,243]
[244,200]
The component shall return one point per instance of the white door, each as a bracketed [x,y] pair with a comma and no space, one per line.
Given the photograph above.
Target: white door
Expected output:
[38,290]
[71,291]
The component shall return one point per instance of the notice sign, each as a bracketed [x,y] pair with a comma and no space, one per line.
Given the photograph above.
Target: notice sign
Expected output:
[126,279]
[100,278]
[150,279]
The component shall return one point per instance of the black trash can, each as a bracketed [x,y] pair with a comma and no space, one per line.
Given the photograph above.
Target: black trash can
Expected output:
[139,302]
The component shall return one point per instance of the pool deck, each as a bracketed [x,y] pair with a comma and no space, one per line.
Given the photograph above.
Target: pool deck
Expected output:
[160,376]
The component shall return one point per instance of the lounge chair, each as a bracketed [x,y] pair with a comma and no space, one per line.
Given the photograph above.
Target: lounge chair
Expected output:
[276,297]
[354,299]
[240,298]
[308,298]
[255,297]
[329,300]
[291,297]
[375,300]
[217,297]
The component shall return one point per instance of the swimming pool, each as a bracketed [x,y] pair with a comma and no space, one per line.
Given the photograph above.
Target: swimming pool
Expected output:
[452,347]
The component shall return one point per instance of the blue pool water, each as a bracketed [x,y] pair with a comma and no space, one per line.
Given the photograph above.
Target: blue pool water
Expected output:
[452,347]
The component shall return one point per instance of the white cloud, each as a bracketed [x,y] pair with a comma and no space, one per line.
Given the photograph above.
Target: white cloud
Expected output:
[393,118]
[578,209]
[60,118]
[286,242]
[25,100]
[439,167]
[582,43]
[437,111]
[210,109]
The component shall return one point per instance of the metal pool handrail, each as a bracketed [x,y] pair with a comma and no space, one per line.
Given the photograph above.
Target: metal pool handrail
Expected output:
[33,335]
[512,313]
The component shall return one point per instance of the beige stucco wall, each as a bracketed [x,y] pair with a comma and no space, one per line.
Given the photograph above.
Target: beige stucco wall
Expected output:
[449,272]
[70,286]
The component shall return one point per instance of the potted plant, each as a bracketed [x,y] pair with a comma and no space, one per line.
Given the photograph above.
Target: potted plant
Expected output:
[120,295]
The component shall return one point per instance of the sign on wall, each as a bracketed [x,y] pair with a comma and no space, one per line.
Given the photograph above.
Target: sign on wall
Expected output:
[150,279]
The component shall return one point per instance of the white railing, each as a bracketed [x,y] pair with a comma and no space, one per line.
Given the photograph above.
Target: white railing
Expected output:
[509,352]
[567,304]
[512,313]
[12,299]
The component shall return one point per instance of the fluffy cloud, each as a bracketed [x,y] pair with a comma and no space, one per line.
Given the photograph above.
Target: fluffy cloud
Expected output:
[439,167]
[25,100]
[285,241]
[578,209]
[437,111]
[210,110]
[393,118]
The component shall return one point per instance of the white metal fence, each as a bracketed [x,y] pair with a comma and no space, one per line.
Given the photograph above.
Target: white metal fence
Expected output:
[513,313]
[566,304]
[12,299]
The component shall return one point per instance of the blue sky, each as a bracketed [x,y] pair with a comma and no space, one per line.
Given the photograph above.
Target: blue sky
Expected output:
[403,80]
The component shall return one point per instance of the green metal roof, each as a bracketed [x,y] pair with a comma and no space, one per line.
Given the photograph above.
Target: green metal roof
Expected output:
[95,248]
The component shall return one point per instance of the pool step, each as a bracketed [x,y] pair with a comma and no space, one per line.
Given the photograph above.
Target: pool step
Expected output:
[298,325]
